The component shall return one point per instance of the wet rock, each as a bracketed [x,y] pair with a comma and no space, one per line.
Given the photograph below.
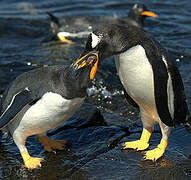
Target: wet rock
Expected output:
[187,125]
[87,116]
[92,116]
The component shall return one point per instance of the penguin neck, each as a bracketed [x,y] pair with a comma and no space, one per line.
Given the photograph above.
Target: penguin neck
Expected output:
[72,83]
[81,77]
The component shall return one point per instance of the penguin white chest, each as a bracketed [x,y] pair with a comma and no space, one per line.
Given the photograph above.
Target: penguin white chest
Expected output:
[47,113]
[136,75]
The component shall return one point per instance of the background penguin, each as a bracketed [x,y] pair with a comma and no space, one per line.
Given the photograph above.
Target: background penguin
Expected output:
[136,16]
[150,78]
[42,99]
[81,26]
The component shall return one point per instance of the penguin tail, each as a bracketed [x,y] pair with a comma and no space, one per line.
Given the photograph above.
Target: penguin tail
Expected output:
[53,18]
[187,124]
[54,24]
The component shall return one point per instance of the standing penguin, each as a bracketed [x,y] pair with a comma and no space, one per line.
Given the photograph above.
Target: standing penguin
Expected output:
[150,78]
[42,99]
[63,28]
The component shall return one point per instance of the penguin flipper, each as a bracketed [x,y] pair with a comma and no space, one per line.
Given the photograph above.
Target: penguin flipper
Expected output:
[180,106]
[129,99]
[18,101]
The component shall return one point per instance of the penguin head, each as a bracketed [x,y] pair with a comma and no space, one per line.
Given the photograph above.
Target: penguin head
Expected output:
[86,64]
[139,12]
[111,39]
[56,29]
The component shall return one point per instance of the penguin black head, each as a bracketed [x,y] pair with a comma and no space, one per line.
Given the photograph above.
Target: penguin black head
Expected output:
[112,39]
[138,13]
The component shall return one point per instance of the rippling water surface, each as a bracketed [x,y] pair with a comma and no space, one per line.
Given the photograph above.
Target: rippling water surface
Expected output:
[94,151]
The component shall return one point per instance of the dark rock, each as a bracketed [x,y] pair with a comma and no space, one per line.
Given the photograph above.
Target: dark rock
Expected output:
[87,116]
[187,125]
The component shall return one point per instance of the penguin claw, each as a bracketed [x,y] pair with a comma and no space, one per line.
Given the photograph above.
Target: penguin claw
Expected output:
[33,163]
[158,152]
[138,145]
[154,154]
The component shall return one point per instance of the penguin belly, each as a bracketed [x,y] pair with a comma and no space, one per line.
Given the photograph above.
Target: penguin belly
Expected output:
[136,75]
[47,113]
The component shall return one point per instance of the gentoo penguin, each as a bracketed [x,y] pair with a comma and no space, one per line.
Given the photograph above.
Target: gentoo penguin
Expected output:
[81,26]
[150,78]
[42,99]
[136,16]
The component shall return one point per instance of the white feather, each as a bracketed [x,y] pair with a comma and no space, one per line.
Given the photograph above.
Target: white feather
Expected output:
[136,75]
[95,40]
[47,113]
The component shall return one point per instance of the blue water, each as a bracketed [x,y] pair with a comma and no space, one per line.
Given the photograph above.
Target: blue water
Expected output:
[95,151]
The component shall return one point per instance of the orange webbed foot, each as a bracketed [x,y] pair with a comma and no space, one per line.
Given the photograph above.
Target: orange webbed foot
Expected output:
[156,153]
[31,162]
[50,145]
[138,145]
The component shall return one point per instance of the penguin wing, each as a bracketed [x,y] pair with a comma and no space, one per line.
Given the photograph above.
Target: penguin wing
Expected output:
[17,103]
[160,73]
[180,105]
[162,68]
[160,90]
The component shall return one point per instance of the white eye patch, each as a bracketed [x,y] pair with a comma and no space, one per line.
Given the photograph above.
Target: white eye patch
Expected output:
[95,40]
[135,6]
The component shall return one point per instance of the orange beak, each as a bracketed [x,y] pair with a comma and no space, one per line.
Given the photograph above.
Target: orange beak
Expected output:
[62,38]
[148,13]
[90,59]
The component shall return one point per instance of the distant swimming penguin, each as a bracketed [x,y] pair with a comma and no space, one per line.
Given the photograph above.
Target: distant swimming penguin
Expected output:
[42,99]
[150,78]
[136,16]
[81,26]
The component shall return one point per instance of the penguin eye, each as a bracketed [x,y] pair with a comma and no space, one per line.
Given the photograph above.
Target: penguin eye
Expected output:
[95,40]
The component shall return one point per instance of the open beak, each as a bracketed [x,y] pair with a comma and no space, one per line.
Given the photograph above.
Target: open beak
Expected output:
[148,13]
[62,38]
[90,59]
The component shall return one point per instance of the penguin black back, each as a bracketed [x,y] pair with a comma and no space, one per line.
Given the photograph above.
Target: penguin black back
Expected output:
[55,79]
